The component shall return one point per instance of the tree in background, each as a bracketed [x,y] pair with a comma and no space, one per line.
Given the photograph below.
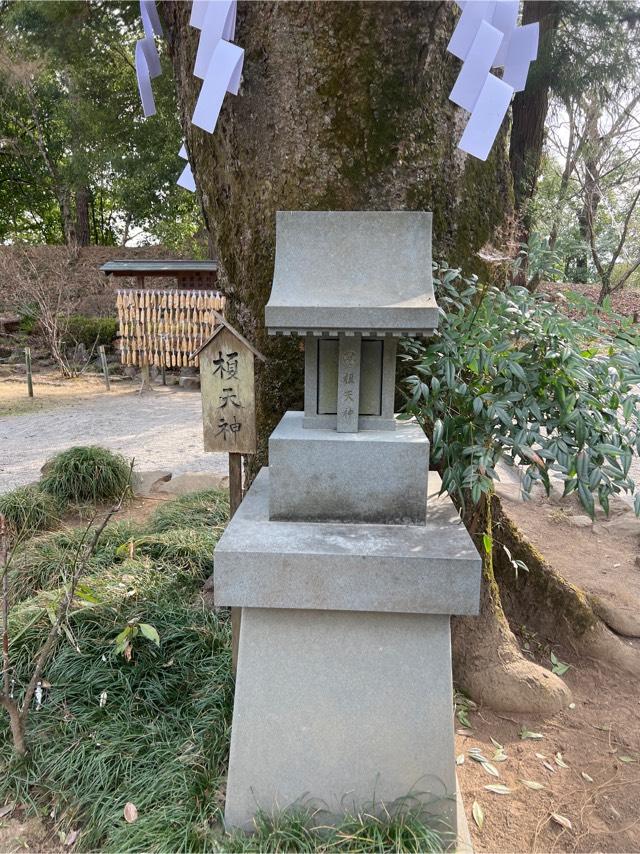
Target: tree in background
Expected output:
[585,46]
[78,164]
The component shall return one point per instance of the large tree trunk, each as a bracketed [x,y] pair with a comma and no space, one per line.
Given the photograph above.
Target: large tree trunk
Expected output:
[530,109]
[343,106]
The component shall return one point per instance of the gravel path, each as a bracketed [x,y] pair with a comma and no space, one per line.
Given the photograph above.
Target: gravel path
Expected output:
[161,429]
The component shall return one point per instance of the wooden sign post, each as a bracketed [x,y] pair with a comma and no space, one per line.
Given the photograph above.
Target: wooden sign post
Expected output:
[227,372]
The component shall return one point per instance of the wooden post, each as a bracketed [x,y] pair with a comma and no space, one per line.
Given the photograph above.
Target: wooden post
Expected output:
[27,360]
[164,374]
[235,497]
[235,482]
[105,366]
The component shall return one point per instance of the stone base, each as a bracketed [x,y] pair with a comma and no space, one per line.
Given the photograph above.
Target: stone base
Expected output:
[425,569]
[376,476]
[341,711]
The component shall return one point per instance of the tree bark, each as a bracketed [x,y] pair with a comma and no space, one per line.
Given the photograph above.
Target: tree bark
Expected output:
[343,106]
[530,109]
[83,197]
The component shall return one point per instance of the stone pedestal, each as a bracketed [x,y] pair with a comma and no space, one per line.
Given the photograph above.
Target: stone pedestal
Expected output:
[343,691]
[340,710]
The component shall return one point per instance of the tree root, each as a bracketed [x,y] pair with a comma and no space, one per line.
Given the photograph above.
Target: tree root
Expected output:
[547,603]
[488,664]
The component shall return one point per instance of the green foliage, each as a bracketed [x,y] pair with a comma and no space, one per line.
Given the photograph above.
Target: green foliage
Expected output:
[140,699]
[507,377]
[206,509]
[403,829]
[542,261]
[91,330]
[29,509]
[72,128]
[86,474]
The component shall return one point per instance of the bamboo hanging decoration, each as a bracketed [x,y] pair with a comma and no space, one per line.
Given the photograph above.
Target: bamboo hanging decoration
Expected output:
[163,328]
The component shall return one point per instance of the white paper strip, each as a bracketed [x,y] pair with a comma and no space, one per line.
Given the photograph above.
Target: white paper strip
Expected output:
[183,152]
[216,22]
[523,49]
[465,32]
[150,18]
[144,77]
[186,179]
[198,12]
[476,66]
[505,19]
[223,75]
[486,118]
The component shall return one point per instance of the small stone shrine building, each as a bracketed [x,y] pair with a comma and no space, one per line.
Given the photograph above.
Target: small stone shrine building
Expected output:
[345,581]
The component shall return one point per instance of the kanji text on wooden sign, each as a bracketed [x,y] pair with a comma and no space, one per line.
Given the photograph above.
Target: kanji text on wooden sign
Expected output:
[228,395]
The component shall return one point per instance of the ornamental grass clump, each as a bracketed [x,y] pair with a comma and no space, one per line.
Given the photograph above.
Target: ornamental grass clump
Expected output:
[29,509]
[86,475]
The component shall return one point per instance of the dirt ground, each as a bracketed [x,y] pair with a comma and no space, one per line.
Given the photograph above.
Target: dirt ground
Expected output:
[161,429]
[599,737]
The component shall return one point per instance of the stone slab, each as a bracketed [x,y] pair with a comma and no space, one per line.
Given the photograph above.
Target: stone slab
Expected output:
[341,710]
[377,476]
[424,569]
[145,482]
[352,270]
[196,481]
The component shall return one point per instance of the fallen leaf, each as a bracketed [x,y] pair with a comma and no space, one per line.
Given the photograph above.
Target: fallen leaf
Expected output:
[477,757]
[525,733]
[541,756]
[498,789]
[6,809]
[491,769]
[130,812]
[561,820]
[586,777]
[561,761]
[531,784]
[549,767]
[478,814]
[496,744]
[71,838]
[500,756]
[460,759]
[626,759]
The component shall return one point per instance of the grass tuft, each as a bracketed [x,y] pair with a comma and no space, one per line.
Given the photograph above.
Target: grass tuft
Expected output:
[405,828]
[86,475]
[28,510]
[206,509]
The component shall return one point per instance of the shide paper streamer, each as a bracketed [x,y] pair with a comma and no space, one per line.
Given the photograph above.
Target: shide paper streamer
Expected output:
[486,37]
[147,60]
[218,63]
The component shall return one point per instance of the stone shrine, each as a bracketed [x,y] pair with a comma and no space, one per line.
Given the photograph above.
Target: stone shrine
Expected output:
[345,583]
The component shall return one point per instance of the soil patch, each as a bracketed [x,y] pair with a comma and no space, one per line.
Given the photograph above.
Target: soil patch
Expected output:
[599,790]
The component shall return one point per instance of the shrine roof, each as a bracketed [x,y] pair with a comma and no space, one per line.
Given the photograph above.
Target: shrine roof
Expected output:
[365,272]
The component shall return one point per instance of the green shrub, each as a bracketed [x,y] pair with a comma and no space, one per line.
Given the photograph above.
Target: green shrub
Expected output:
[508,377]
[28,509]
[82,329]
[86,474]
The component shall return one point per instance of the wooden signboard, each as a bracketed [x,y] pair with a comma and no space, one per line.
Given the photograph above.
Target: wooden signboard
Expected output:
[228,396]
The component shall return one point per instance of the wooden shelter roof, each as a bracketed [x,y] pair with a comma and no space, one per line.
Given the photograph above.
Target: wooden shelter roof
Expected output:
[158,268]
